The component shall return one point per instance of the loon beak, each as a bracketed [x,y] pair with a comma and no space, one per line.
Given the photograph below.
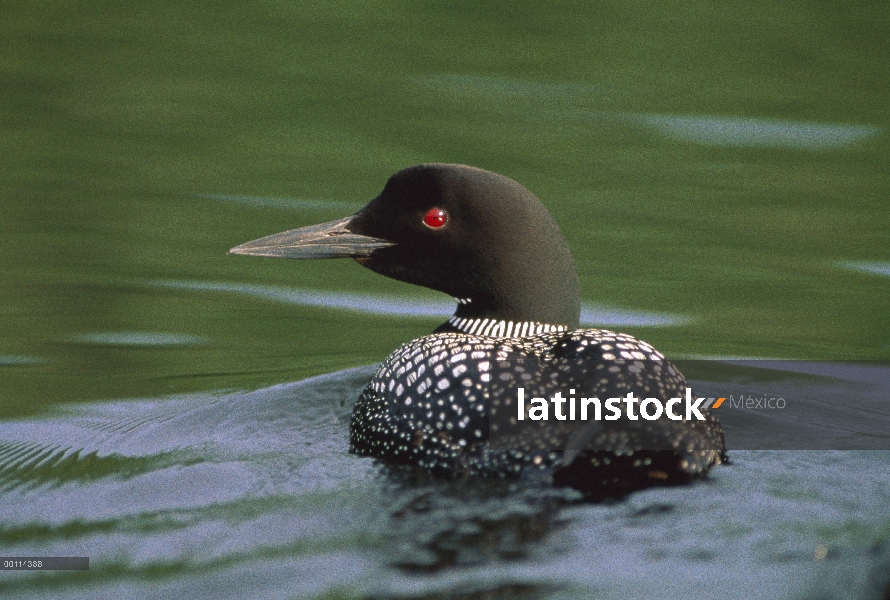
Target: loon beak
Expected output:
[325,240]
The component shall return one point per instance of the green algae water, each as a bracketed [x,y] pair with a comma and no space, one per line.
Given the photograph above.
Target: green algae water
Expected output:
[721,174]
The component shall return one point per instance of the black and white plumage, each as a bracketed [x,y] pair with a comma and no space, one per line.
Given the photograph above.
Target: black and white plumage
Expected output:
[445,402]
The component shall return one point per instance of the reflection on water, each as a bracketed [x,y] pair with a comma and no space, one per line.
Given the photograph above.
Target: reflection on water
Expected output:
[878,268]
[603,316]
[730,131]
[443,524]
[382,305]
[283,203]
[12,360]
[709,130]
[797,405]
[204,492]
[137,338]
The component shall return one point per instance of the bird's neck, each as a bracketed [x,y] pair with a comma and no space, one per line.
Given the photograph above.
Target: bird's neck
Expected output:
[549,301]
[494,327]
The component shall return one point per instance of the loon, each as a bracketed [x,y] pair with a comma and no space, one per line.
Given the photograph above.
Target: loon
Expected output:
[445,402]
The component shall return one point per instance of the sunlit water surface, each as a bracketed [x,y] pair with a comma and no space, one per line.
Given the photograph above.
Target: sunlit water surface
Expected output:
[254,495]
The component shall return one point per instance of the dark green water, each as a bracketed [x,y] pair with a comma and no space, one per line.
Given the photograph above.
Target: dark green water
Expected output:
[721,173]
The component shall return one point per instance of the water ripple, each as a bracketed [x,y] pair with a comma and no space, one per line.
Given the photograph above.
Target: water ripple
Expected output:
[877,268]
[568,101]
[137,338]
[749,131]
[591,314]
[16,360]
[282,203]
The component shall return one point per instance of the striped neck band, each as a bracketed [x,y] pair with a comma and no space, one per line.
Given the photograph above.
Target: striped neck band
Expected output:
[502,328]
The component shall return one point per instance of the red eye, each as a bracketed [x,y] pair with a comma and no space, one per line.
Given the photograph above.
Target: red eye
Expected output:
[435,218]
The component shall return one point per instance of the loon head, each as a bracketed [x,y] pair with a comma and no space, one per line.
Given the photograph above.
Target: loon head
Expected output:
[470,233]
